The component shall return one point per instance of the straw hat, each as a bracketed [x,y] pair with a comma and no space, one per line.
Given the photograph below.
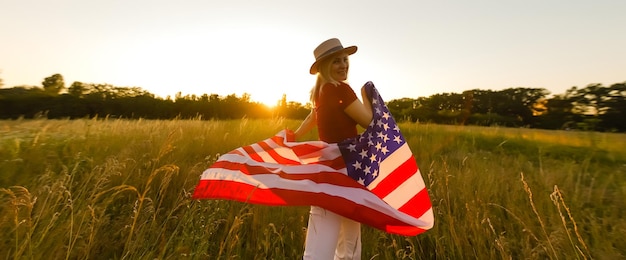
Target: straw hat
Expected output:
[328,48]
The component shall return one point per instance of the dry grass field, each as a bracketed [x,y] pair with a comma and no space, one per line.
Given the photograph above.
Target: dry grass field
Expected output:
[120,189]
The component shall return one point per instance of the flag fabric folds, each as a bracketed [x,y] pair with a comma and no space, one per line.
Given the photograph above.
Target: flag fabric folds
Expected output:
[372,178]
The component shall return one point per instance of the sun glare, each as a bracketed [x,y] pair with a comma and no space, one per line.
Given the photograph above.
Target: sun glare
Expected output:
[270,99]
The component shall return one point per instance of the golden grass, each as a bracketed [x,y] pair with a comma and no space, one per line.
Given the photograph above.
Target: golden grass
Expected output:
[120,189]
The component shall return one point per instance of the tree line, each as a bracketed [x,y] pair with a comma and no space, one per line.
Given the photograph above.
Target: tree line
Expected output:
[81,100]
[594,107]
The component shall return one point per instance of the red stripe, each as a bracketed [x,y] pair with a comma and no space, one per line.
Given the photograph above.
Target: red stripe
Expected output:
[418,205]
[305,149]
[278,158]
[315,175]
[252,153]
[337,163]
[396,177]
[279,140]
[219,189]
[236,151]
[299,149]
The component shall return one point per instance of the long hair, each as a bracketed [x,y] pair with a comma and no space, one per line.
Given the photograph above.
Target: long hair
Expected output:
[323,77]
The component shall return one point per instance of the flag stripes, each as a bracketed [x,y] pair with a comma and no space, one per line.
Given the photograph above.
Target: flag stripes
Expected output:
[373,178]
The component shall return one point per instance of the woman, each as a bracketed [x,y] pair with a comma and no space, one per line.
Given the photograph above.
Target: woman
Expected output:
[336,113]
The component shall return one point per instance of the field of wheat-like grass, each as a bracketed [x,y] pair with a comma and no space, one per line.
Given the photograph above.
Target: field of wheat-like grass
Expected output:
[120,189]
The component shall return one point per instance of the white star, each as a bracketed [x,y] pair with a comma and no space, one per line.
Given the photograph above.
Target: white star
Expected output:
[385,138]
[379,123]
[379,146]
[396,128]
[367,170]
[384,150]
[363,153]
[372,158]
[379,134]
[375,174]
[352,147]
[370,143]
[386,115]
[375,101]
[397,139]
[357,165]
[378,111]
[386,126]
[361,181]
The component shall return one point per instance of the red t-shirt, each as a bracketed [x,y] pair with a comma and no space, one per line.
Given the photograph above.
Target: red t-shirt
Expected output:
[333,124]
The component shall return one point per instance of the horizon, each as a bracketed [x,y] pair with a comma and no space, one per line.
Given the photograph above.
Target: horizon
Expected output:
[240,95]
[407,48]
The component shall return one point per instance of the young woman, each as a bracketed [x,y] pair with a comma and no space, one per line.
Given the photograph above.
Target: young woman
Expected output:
[336,113]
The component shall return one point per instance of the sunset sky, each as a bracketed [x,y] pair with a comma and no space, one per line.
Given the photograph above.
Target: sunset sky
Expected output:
[265,48]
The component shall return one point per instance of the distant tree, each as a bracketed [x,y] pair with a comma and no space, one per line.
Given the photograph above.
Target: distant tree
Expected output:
[592,100]
[614,111]
[1,81]
[295,110]
[53,84]
[403,109]
[512,106]
[522,103]
[280,109]
[77,89]
[560,113]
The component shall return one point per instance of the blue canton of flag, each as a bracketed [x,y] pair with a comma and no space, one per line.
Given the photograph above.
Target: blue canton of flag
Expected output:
[364,153]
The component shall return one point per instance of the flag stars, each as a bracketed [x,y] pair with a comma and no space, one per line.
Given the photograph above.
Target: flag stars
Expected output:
[386,126]
[361,181]
[379,146]
[367,170]
[385,138]
[397,139]
[375,174]
[357,165]
[372,159]
[386,115]
[384,150]
[363,153]
[352,147]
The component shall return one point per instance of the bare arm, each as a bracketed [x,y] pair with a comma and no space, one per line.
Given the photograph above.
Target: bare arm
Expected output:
[306,125]
[361,112]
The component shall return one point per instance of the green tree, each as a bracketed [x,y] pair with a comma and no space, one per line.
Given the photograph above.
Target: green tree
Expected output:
[614,112]
[77,89]
[560,112]
[53,84]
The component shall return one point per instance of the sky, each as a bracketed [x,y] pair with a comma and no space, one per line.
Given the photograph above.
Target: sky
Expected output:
[264,48]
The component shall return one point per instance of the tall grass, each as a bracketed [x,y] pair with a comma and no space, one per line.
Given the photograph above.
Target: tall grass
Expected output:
[120,189]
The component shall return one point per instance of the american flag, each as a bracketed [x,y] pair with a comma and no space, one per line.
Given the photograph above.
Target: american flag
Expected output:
[372,178]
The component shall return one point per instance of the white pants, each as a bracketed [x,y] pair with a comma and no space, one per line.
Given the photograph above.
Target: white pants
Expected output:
[331,236]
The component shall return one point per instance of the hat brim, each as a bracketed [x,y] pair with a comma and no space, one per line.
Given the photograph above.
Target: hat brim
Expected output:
[348,50]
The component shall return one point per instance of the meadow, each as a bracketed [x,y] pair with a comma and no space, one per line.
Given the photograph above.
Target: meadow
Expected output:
[120,189]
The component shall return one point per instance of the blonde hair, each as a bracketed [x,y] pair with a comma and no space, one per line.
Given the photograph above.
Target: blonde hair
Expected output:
[323,77]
